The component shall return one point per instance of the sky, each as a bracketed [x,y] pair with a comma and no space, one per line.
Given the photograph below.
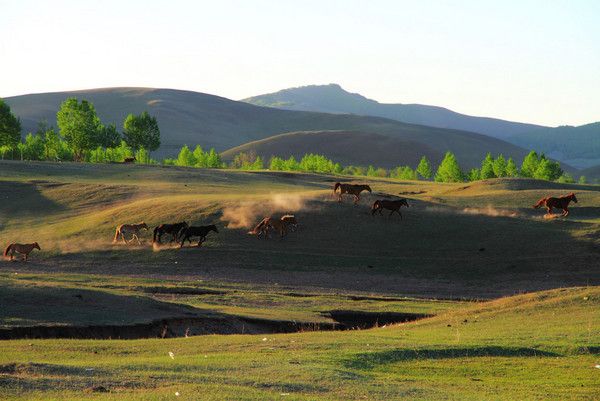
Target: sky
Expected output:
[529,61]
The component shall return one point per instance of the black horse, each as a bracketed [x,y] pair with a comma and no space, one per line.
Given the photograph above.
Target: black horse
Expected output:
[173,229]
[200,232]
[393,205]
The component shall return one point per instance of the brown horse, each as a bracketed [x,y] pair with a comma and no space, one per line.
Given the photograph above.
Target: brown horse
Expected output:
[393,205]
[350,189]
[23,249]
[558,203]
[269,223]
[125,229]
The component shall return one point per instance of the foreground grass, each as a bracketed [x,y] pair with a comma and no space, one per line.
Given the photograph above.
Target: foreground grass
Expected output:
[535,346]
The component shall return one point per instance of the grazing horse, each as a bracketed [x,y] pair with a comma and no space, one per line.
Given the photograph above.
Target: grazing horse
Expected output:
[125,229]
[559,203]
[350,189]
[393,205]
[173,229]
[23,249]
[201,232]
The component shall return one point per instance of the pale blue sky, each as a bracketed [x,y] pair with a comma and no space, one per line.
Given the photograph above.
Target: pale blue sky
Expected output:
[534,61]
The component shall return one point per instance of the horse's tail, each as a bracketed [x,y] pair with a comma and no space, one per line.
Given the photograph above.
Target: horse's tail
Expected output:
[336,186]
[155,233]
[117,232]
[8,249]
[540,203]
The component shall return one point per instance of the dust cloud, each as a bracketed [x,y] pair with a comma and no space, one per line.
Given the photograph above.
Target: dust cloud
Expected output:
[247,214]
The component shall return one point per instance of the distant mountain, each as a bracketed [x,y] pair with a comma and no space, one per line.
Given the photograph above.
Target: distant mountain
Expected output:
[357,148]
[193,118]
[577,146]
[333,99]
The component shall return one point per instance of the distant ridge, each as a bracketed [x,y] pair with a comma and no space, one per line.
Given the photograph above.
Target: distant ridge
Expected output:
[333,98]
[192,118]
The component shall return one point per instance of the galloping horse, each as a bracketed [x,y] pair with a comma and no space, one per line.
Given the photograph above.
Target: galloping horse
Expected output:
[201,231]
[350,189]
[393,205]
[23,249]
[173,229]
[559,203]
[126,229]
[281,226]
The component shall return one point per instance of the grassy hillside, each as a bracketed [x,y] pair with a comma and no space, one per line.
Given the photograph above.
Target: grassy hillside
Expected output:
[535,346]
[578,146]
[458,245]
[333,99]
[342,146]
[461,240]
[211,121]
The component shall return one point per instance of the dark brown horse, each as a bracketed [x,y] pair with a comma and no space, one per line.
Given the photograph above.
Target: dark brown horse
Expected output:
[23,249]
[558,203]
[393,205]
[173,229]
[350,189]
[201,232]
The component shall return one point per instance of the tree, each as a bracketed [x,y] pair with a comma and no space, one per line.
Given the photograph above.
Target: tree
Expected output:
[424,168]
[141,131]
[33,148]
[582,179]
[185,158]
[500,166]
[79,125]
[258,164]
[213,159]
[108,136]
[200,156]
[547,170]
[276,164]
[511,168]
[566,178]
[474,175]
[10,126]
[142,156]
[449,170]
[487,168]
[530,164]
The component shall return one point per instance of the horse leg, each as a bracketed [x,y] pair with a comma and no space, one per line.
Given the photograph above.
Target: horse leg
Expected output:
[356,199]
[183,241]
[565,212]
[549,208]
[123,237]
[25,258]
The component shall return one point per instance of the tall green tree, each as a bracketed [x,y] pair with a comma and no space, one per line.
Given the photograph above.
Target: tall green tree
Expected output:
[108,136]
[530,164]
[474,175]
[79,125]
[141,131]
[424,168]
[500,166]
[547,170]
[487,168]
[449,170]
[511,168]
[185,158]
[10,126]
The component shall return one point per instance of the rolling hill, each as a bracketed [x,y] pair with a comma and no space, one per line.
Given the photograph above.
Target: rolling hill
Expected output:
[345,147]
[578,146]
[196,118]
[334,99]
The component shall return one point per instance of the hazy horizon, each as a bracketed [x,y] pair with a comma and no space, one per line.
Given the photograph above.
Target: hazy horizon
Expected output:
[523,61]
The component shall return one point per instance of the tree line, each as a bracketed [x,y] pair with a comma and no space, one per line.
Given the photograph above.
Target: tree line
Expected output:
[81,136]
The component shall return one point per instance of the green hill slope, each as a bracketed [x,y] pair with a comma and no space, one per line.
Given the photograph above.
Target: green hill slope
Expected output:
[196,118]
[345,147]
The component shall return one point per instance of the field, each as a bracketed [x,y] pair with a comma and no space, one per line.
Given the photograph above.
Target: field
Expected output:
[495,302]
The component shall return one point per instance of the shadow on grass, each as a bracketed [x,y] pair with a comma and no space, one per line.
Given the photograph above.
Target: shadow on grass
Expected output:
[372,360]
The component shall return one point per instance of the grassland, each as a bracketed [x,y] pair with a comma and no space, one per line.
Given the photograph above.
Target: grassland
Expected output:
[458,247]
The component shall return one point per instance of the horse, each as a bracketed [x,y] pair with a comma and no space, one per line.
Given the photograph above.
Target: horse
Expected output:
[201,232]
[133,229]
[290,221]
[350,189]
[269,223]
[393,205]
[23,249]
[559,203]
[173,229]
